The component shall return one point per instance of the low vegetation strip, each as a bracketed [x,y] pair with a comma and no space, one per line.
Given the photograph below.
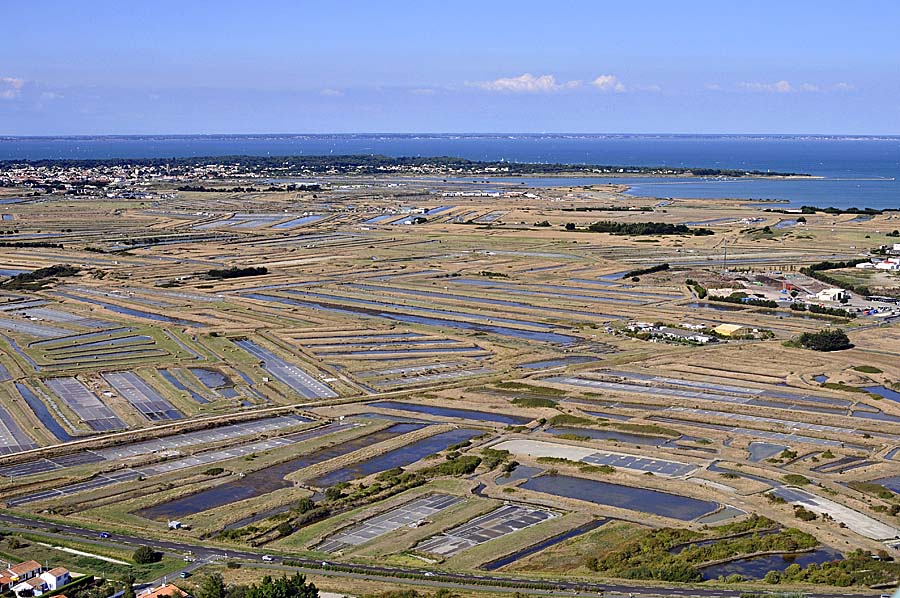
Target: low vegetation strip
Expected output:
[743,299]
[826,311]
[38,279]
[646,228]
[235,272]
[41,244]
[649,270]
[656,556]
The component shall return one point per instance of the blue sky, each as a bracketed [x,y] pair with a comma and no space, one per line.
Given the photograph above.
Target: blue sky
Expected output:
[142,66]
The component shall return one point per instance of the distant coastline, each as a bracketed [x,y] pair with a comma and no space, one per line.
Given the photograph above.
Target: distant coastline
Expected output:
[360,164]
[844,170]
[427,135]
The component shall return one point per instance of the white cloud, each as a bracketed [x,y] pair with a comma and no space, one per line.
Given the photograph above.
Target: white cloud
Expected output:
[526,83]
[51,95]
[777,87]
[10,87]
[608,83]
[843,86]
[713,86]
[424,91]
[334,93]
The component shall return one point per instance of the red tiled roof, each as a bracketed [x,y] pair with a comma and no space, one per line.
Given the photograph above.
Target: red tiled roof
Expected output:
[165,590]
[26,567]
[58,571]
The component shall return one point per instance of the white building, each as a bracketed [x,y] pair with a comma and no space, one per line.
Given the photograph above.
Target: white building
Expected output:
[34,586]
[832,294]
[56,578]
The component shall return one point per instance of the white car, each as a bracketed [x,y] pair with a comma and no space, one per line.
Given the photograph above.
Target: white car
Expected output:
[267,559]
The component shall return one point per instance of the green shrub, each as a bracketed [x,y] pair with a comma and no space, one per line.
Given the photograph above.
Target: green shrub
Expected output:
[144,555]
[795,479]
[829,339]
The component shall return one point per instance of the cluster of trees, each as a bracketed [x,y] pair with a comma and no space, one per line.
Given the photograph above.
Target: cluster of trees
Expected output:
[457,465]
[788,540]
[142,241]
[864,211]
[235,272]
[494,457]
[828,265]
[857,568]
[643,271]
[830,339]
[238,189]
[675,554]
[698,288]
[296,586]
[42,244]
[144,555]
[743,299]
[820,309]
[37,279]
[203,189]
[804,514]
[646,228]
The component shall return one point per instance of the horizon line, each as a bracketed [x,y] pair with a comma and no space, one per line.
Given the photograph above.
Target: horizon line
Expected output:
[445,134]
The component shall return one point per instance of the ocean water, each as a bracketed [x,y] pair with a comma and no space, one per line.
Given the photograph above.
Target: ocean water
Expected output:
[860,172]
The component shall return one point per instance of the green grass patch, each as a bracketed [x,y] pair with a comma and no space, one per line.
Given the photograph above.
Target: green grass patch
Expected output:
[523,387]
[867,369]
[843,387]
[570,436]
[564,419]
[795,479]
[534,402]
[872,489]
[651,429]
[588,468]
[557,460]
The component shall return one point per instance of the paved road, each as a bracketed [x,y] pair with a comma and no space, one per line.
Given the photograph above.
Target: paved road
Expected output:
[472,581]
